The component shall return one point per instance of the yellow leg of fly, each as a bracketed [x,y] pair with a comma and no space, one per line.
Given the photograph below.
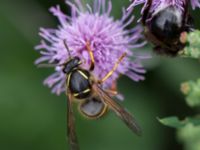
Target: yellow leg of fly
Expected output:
[111,92]
[113,69]
[91,55]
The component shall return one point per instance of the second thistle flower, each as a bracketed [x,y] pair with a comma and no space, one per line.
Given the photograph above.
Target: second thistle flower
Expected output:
[166,23]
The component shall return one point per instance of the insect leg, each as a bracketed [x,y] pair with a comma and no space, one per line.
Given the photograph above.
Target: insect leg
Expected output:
[91,56]
[113,69]
[111,92]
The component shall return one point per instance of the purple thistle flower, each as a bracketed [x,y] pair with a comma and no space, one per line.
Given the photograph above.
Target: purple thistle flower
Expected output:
[195,3]
[160,4]
[108,38]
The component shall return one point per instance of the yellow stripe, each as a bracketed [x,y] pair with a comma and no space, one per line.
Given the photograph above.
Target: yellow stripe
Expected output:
[76,94]
[83,74]
[99,115]
[68,79]
[80,62]
[85,91]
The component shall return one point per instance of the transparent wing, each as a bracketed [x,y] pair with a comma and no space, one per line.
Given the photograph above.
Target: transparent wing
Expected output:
[124,115]
[71,131]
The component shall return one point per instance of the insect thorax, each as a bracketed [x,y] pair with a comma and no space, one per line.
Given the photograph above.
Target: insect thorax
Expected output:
[79,83]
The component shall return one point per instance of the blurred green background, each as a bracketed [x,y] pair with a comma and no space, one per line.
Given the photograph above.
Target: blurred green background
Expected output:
[31,118]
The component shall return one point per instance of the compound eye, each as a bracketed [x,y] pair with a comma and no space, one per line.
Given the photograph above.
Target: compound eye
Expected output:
[92,108]
[77,61]
[66,69]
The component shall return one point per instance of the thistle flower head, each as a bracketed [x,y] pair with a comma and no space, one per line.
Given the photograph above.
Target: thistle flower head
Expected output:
[108,39]
[160,4]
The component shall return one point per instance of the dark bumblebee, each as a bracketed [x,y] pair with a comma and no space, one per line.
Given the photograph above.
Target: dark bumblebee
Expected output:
[92,99]
[165,28]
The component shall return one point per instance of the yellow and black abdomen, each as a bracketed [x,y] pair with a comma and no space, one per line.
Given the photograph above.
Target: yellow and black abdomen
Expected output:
[79,83]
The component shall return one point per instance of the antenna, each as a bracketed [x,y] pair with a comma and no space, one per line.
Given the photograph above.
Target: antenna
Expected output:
[67,48]
[46,65]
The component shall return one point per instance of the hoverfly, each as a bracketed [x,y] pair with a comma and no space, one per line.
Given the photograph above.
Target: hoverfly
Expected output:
[84,88]
[167,27]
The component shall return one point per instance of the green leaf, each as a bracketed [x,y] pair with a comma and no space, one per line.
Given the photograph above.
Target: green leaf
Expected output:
[174,122]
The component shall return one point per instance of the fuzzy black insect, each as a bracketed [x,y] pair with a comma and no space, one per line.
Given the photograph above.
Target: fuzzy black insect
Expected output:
[166,28]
